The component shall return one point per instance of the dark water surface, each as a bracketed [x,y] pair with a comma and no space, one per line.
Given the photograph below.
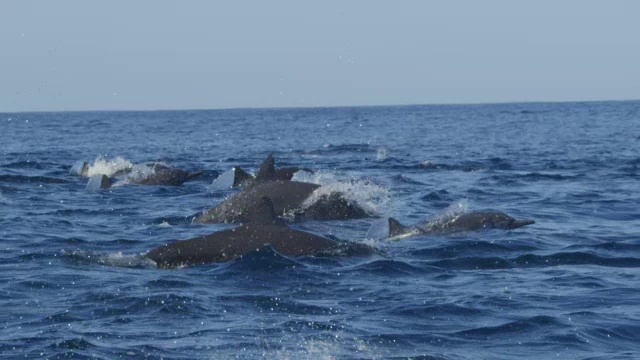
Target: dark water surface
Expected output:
[73,284]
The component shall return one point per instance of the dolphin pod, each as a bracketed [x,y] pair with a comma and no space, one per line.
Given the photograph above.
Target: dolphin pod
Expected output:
[287,196]
[263,228]
[270,194]
[475,220]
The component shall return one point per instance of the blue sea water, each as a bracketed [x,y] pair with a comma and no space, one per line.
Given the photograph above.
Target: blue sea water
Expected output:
[73,283]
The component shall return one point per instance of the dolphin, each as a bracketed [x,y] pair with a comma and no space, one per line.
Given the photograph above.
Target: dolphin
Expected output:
[475,220]
[162,175]
[97,182]
[287,197]
[242,178]
[263,229]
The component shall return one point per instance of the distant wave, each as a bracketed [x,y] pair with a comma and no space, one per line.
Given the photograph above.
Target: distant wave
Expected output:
[22,179]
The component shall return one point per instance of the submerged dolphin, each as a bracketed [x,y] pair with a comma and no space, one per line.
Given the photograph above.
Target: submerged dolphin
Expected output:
[475,220]
[287,197]
[263,229]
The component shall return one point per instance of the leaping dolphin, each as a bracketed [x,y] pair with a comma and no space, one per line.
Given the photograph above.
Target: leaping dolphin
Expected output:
[287,196]
[475,220]
[263,228]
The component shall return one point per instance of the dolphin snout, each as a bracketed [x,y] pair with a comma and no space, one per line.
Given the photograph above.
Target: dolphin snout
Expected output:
[520,223]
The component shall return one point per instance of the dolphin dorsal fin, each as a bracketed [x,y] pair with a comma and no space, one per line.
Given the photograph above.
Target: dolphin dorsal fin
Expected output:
[395,228]
[267,169]
[240,177]
[263,213]
[97,182]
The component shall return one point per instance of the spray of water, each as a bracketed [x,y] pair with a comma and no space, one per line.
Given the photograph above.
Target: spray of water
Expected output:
[109,167]
[371,197]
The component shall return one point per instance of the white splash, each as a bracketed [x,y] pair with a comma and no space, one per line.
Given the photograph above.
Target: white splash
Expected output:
[164,224]
[366,194]
[382,154]
[117,259]
[108,167]
[120,260]
[139,172]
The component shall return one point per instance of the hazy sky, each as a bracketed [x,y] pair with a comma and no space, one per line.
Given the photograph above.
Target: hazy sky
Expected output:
[150,54]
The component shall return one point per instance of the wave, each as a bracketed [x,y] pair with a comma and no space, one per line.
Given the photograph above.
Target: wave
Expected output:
[341,148]
[514,328]
[386,267]
[437,310]
[23,179]
[277,304]
[438,195]
[468,166]
[403,179]
[531,260]
[575,258]
[29,165]
[459,248]
[117,259]
[512,179]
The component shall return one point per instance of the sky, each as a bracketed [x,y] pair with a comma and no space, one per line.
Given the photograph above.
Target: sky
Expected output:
[152,54]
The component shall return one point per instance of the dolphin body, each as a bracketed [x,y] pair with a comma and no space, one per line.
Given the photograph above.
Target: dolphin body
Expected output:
[263,229]
[287,197]
[242,178]
[162,175]
[472,221]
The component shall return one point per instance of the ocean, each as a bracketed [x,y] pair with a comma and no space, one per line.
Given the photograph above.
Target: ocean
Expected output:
[73,283]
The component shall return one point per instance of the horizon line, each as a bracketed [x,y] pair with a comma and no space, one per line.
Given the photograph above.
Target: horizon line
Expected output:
[327,106]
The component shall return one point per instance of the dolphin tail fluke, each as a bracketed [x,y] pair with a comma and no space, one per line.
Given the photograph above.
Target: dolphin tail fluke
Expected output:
[267,169]
[98,182]
[240,177]
[395,228]
[520,223]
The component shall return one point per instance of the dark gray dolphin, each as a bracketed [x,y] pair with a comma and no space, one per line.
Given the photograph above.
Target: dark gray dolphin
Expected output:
[242,178]
[97,182]
[475,220]
[287,197]
[263,229]
[162,175]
